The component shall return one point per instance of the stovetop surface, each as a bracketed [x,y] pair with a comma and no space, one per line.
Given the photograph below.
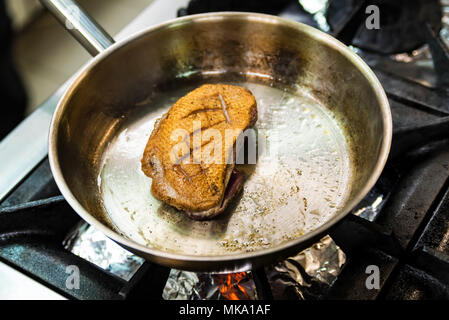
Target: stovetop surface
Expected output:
[401,227]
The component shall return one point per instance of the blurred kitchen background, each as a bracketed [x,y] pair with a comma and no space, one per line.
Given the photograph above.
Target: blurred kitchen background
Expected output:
[45,54]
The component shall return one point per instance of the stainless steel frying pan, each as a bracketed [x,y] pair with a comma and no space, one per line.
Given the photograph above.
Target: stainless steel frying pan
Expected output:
[324,132]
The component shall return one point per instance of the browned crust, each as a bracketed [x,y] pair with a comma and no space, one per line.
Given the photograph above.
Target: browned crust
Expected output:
[196,187]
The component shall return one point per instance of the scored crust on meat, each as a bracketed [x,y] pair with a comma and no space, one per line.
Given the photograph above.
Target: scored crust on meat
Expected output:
[180,175]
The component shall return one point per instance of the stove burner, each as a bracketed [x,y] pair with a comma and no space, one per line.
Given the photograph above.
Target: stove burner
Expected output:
[401,226]
[401,23]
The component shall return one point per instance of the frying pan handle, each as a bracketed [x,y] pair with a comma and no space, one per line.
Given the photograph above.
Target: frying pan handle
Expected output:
[88,32]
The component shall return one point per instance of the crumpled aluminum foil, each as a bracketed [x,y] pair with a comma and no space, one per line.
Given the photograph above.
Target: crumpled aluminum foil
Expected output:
[317,8]
[308,274]
[183,285]
[371,206]
[92,245]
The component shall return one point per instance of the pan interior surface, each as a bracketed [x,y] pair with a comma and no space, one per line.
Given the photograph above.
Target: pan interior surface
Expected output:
[300,181]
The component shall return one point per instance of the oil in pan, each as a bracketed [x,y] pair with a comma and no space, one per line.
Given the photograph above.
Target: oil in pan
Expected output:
[301,178]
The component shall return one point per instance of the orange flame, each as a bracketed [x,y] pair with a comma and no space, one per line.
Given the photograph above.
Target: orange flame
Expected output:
[230,287]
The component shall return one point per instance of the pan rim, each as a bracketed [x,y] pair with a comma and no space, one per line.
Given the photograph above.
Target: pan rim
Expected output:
[240,256]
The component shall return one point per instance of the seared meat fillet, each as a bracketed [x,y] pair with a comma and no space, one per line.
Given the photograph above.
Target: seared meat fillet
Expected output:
[190,154]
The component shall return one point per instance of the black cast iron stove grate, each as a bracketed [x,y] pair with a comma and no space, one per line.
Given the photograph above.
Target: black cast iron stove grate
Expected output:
[405,235]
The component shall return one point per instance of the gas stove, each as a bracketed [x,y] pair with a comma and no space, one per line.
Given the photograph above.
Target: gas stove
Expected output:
[394,245]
